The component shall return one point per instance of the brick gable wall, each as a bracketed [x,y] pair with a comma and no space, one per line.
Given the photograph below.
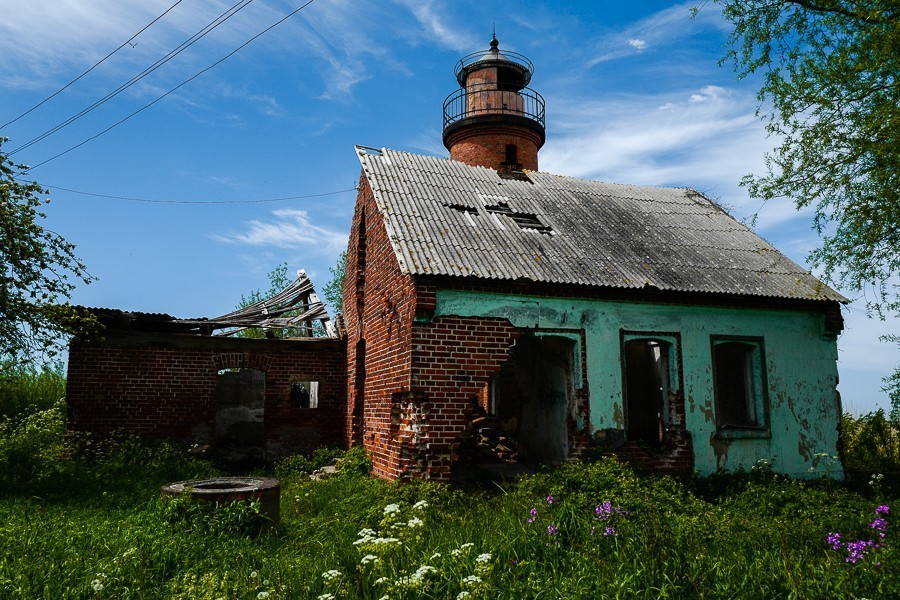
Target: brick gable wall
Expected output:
[379,307]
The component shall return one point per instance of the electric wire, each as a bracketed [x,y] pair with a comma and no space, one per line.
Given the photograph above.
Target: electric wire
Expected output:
[233,10]
[160,201]
[97,64]
[183,83]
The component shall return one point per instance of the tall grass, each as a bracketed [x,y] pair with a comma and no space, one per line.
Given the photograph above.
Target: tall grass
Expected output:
[96,528]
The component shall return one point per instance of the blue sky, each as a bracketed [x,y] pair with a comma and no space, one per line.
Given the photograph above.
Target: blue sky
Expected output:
[634,94]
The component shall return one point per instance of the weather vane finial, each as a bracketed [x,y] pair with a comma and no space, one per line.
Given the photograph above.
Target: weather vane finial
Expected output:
[494,41]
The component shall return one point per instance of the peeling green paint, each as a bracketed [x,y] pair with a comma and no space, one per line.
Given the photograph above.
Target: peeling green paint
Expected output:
[800,365]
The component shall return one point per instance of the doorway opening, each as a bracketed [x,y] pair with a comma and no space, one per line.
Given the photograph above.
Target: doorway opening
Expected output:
[532,396]
[240,408]
[648,376]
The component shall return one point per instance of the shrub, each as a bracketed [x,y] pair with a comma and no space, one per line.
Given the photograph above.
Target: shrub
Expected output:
[26,389]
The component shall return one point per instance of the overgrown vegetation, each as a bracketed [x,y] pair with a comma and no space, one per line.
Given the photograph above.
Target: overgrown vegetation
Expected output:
[93,526]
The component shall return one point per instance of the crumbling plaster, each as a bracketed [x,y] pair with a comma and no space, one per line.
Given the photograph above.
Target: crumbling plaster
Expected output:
[800,364]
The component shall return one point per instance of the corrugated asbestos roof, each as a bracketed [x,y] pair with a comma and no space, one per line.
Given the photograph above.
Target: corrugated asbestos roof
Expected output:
[446,218]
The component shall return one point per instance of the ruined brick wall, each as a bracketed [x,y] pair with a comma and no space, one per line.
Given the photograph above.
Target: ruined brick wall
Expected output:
[164,385]
[453,362]
[379,307]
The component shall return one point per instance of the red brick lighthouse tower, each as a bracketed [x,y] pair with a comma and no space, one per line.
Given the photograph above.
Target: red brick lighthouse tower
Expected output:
[494,120]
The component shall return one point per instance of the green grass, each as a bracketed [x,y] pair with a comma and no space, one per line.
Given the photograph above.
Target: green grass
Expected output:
[100,523]
[94,527]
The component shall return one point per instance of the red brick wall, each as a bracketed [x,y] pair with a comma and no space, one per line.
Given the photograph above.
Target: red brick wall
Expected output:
[379,305]
[485,145]
[164,385]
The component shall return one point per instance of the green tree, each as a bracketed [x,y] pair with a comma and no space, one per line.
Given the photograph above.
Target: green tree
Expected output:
[333,291]
[831,98]
[38,272]
[278,280]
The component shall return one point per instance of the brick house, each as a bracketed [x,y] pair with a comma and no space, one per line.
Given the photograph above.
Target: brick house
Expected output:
[570,313]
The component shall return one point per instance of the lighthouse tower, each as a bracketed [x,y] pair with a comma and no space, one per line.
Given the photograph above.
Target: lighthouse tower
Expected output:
[494,120]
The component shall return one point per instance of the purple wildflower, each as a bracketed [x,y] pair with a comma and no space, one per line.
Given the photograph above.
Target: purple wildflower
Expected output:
[593,530]
[549,499]
[606,510]
[879,525]
[533,512]
[552,530]
[882,510]
[610,532]
[834,540]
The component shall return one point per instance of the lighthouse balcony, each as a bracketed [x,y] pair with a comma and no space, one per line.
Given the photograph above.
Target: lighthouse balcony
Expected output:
[487,100]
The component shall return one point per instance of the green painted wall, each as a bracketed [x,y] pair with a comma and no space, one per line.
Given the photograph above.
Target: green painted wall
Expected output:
[800,365]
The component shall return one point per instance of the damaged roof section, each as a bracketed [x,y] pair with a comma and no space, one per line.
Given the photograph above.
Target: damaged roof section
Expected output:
[447,218]
[295,312]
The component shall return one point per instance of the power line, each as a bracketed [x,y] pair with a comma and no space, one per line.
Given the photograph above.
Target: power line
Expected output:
[159,201]
[97,64]
[241,4]
[183,83]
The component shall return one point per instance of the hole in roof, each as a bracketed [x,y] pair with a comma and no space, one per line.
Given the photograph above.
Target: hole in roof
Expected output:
[525,221]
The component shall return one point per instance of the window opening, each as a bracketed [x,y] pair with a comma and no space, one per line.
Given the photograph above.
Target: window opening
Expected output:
[305,394]
[739,384]
[512,153]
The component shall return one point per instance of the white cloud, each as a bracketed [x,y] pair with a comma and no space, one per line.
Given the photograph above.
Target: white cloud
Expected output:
[437,25]
[637,44]
[661,29]
[291,228]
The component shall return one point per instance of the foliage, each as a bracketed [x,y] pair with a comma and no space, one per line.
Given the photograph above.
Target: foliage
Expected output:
[213,518]
[92,525]
[872,449]
[831,97]
[278,280]
[31,446]
[301,464]
[38,272]
[333,292]
[25,388]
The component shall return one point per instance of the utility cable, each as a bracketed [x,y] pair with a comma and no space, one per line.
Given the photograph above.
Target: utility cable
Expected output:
[241,4]
[183,83]
[97,64]
[158,201]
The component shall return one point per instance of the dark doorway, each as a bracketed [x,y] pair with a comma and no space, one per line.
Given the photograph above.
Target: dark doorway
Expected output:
[240,408]
[532,397]
[646,389]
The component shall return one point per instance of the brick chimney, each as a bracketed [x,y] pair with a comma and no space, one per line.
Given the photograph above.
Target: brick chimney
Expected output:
[494,120]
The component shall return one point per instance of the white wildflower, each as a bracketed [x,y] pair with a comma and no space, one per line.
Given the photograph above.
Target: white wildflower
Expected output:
[266,582]
[415,522]
[97,585]
[368,558]
[435,556]
[483,558]
[331,574]
[380,580]
[262,596]
[254,574]
[471,580]
[326,597]
[391,509]
[463,594]
[420,505]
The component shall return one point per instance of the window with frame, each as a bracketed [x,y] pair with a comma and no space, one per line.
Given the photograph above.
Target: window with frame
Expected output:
[739,381]
[651,370]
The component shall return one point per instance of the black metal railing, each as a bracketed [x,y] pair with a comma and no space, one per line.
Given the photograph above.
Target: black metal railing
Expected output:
[465,103]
